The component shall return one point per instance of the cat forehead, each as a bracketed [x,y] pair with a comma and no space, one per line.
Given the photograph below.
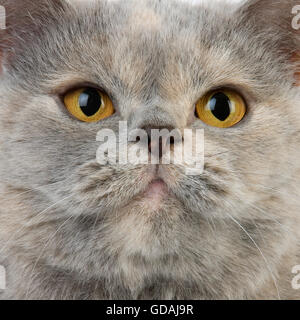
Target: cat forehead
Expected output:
[216,4]
[186,46]
[146,14]
[155,14]
[195,2]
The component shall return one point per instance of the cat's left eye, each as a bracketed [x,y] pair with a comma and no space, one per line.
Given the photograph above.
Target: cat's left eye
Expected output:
[221,108]
[89,104]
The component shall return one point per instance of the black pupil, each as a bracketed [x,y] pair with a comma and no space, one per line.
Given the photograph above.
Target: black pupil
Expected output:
[90,102]
[220,106]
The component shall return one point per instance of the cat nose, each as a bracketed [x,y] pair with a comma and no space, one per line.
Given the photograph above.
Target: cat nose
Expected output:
[158,125]
[161,142]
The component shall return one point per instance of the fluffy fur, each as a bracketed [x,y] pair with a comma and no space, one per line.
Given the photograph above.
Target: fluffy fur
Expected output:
[72,229]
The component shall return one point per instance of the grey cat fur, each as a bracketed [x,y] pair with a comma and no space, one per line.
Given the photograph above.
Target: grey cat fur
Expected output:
[72,229]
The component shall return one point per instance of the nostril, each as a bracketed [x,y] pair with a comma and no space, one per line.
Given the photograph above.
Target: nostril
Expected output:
[158,143]
[149,143]
[160,147]
[172,140]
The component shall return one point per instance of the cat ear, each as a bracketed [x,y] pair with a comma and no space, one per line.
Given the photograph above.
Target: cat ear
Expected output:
[23,19]
[279,22]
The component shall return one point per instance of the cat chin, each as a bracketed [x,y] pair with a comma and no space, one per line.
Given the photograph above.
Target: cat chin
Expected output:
[147,229]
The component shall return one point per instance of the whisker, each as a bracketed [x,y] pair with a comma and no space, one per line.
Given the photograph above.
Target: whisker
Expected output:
[31,190]
[31,220]
[260,251]
[265,213]
[260,174]
[216,154]
[48,241]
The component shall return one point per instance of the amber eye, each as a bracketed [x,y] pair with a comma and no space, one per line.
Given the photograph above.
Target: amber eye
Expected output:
[89,104]
[222,109]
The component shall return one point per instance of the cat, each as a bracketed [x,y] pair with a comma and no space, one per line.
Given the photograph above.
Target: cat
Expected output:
[71,228]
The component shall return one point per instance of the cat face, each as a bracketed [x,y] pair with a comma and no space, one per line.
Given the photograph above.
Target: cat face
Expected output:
[136,226]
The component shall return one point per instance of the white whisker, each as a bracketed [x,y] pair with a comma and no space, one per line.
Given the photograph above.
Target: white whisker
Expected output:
[48,241]
[31,220]
[258,248]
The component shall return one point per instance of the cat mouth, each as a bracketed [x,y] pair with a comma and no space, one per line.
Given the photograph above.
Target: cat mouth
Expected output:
[157,188]
[155,194]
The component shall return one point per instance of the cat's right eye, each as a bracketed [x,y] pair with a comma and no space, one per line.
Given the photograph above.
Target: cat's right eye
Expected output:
[89,104]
